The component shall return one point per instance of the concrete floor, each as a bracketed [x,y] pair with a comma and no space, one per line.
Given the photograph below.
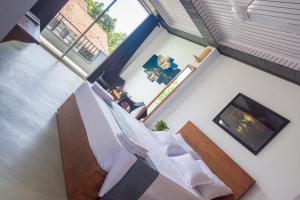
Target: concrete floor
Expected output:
[33,84]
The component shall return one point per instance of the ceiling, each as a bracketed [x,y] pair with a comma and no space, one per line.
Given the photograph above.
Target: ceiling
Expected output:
[269,41]
[282,45]
[176,16]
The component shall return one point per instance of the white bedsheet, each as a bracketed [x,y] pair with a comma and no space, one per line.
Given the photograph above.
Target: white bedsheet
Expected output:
[102,130]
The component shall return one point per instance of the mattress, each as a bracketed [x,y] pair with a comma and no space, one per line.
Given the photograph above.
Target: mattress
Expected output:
[102,130]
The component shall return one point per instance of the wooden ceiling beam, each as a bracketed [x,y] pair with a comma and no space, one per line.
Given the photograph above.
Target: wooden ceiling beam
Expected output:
[199,22]
[278,70]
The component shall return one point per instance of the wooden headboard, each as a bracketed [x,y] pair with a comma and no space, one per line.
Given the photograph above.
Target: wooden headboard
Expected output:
[218,161]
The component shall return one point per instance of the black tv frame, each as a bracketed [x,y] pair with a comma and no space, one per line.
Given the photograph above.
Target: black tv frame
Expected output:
[255,152]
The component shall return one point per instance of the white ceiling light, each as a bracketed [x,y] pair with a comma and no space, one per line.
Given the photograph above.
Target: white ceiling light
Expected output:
[240,10]
[241,13]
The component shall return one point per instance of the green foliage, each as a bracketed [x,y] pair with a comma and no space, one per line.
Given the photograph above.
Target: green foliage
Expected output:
[161,126]
[107,23]
[90,5]
[114,39]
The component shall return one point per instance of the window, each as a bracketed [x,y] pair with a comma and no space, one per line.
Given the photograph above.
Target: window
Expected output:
[54,23]
[169,89]
[86,53]
[64,33]
[85,35]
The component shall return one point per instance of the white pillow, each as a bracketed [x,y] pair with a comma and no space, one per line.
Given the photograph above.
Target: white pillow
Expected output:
[191,171]
[155,133]
[164,137]
[173,149]
[214,189]
[102,93]
[132,145]
[168,143]
[179,139]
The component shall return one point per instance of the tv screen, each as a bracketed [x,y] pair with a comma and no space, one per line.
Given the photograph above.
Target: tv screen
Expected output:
[249,122]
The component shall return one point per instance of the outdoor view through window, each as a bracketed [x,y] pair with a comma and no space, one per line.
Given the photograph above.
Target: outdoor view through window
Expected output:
[84,47]
[169,89]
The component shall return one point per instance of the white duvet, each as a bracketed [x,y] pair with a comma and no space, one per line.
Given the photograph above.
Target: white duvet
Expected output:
[102,131]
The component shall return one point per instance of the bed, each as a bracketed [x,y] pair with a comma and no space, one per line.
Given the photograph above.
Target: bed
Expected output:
[84,176]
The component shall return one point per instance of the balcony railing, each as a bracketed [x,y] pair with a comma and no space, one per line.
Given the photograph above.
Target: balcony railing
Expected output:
[68,33]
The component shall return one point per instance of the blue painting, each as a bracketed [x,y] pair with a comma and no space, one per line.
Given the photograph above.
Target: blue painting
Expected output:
[161,69]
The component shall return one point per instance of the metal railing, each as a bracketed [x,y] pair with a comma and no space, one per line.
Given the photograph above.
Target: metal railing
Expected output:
[68,33]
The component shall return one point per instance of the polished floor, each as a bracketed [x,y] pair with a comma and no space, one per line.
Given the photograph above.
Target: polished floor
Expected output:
[33,84]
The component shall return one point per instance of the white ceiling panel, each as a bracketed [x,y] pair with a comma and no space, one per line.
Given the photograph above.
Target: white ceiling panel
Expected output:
[175,15]
[275,40]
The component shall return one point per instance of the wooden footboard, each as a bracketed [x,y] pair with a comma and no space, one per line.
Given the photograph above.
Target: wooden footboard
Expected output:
[83,176]
[218,161]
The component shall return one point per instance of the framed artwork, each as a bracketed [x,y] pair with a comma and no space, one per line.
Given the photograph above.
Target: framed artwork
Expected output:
[161,69]
[250,123]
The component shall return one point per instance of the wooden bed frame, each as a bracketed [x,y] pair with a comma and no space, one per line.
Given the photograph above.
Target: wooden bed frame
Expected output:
[218,161]
[84,177]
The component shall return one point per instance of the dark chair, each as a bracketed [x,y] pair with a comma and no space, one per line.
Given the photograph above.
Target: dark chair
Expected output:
[132,105]
[109,82]
[143,114]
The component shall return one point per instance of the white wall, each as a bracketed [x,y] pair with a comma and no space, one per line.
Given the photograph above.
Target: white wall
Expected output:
[277,167]
[160,42]
[10,13]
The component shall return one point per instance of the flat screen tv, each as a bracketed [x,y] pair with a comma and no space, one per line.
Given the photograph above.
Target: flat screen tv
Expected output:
[250,123]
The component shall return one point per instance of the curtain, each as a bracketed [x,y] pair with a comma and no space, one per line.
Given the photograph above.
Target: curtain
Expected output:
[114,64]
[46,10]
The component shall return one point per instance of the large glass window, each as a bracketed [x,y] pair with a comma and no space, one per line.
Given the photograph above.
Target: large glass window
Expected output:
[169,89]
[84,40]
